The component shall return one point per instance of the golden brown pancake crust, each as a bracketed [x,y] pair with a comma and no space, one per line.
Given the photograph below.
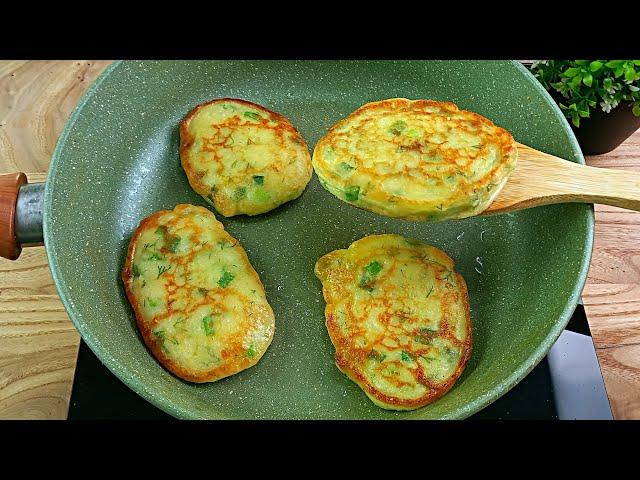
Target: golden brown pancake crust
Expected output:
[398,316]
[199,304]
[243,158]
[415,159]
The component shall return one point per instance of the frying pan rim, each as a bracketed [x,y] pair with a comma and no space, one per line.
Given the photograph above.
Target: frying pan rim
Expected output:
[167,406]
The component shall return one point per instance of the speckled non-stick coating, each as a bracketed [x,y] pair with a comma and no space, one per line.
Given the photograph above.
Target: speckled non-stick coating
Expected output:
[117,162]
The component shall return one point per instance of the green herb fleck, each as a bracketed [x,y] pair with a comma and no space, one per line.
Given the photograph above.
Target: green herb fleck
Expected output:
[427,330]
[240,193]
[351,193]
[345,167]
[226,244]
[173,244]
[430,291]
[378,356]
[152,302]
[425,335]
[397,127]
[447,277]
[161,336]
[405,356]
[207,325]
[226,279]
[136,270]
[203,291]
[370,272]
[252,116]
[373,268]
[162,269]
[258,179]
[250,353]
[178,321]
[157,256]
[261,195]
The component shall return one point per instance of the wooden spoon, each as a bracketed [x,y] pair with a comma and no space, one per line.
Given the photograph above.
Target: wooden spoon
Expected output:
[542,179]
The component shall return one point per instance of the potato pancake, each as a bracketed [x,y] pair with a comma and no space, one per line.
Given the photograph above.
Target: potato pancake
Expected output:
[199,304]
[398,316]
[415,159]
[243,158]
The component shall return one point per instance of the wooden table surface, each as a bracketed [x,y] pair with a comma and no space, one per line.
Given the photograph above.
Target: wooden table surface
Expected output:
[38,343]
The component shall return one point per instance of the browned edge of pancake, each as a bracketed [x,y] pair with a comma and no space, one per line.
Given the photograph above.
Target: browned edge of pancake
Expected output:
[147,334]
[341,355]
[503,137]
[187,139]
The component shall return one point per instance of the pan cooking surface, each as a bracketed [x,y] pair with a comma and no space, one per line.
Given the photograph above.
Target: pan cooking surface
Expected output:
[117,162]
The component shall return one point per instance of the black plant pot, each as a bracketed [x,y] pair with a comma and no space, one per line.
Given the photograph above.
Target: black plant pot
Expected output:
[602,132]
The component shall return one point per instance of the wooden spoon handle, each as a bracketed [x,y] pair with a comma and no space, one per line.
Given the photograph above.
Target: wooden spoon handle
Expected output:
[543,179]
[9,187]
[607,186]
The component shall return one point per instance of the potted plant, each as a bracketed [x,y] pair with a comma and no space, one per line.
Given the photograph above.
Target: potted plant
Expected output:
[601,98]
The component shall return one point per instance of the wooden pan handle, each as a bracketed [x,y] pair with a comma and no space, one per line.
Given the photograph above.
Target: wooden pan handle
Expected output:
[9,187]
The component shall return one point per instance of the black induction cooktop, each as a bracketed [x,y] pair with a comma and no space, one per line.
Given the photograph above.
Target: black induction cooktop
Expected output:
[566,385]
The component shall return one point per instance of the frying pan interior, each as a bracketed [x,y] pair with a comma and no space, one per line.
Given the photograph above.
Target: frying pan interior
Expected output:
[117,162]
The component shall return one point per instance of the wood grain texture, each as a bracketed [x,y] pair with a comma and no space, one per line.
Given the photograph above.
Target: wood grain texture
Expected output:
[38,343]
[612,292]
[36,99]
[543,179]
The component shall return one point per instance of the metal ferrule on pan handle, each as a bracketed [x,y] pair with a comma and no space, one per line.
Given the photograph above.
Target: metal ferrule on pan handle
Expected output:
[21,210]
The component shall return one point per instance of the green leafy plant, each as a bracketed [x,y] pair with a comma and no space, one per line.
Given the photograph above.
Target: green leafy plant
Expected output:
[587,84]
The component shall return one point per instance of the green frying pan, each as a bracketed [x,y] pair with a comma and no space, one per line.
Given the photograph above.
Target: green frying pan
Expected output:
[117,162]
